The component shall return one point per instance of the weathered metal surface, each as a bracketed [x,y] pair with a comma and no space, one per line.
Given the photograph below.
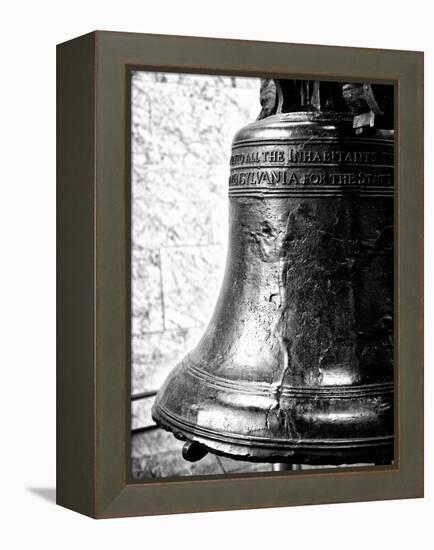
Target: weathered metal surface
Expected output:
[296,364]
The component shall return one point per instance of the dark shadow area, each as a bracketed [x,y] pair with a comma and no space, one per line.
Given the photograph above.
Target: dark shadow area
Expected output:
[47,493]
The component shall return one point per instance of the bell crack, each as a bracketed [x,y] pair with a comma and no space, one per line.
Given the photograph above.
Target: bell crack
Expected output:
[283,417]
[285,346]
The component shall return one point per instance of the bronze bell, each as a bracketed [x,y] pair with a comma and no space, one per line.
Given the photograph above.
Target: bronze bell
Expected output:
[296,364]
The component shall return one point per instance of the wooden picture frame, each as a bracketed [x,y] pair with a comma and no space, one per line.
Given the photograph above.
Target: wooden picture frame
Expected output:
[93,365]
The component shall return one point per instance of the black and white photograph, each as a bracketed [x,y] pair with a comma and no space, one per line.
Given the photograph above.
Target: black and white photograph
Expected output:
[216,223]
[262,274]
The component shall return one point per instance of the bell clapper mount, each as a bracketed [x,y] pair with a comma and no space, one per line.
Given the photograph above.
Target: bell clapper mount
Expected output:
[193,451]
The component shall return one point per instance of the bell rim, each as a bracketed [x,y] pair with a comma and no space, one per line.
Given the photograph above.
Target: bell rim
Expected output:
[263,449]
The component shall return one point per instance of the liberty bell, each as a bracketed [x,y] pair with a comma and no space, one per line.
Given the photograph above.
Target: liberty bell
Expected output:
[296,364]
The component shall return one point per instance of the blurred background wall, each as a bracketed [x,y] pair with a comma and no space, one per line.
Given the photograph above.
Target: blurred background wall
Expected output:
[182,129]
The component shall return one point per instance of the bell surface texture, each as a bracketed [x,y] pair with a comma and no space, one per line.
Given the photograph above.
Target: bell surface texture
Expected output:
[296,364]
